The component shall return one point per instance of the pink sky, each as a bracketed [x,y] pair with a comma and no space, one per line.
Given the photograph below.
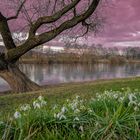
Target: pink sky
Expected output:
[122,23]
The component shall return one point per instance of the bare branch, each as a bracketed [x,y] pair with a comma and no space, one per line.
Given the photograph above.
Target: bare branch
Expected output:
[53,18]
[18,11]
[34,41]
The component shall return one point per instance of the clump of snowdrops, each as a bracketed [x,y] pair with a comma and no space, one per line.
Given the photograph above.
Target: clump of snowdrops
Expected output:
[108,115]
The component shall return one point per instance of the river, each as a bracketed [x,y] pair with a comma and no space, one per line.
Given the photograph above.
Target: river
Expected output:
[65,73]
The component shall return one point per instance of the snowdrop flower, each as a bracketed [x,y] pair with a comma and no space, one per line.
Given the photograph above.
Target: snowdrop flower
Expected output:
[132,103]
[131,100]
[55,116]
[81,101]
[76,110]
[54,107]
[131,97]
[1,122]
[90,110]
[17,115]
[36,105]
[43,103]
[74,125]
[64,109]
[77,97]
[25,107]
[82,107]
[139,104]
[136,108]
[121,98]
[76,119]
[81,128]
[40,98]
[99,96]
[60,116]
[115,96]
[74,105]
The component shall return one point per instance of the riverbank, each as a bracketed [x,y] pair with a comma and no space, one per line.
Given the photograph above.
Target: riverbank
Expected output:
[57,93]
[65,60]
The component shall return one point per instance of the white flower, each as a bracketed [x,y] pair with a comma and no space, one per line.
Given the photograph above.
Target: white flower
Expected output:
[60,116]
[138,104]
[121,98]
[76,111]
[90,110]
[136,108]
[132,103]
[54,107]
[131,97]
[43,103]
[115,96]
[82,107]
[36,105]
[77,97]
[17,115]
[81,128]
[74,105]
[64,109]
[76,119]
[99,96]
[25,107]
[55,116]
[40,98]
[81,101]
[1,122]
[74,125]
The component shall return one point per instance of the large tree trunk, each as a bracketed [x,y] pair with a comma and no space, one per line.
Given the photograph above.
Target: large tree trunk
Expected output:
[17,80]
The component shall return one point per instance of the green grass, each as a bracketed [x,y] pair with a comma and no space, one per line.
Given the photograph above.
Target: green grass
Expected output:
[9,103]
[101,110]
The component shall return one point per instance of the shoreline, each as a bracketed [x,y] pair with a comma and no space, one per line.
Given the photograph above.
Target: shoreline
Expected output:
[35,61]
[57,85]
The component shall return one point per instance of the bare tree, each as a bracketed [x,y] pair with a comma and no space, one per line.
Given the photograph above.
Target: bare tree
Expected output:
[48,17]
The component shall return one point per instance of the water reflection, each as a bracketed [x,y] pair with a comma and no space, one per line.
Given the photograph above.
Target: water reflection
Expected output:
[59,73]
[64,73]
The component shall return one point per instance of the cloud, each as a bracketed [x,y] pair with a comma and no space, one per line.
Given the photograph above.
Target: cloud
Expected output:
[133,34]
[125,44]
[122,20]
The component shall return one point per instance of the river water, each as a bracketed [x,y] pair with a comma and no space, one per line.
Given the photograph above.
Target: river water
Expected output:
[65,73]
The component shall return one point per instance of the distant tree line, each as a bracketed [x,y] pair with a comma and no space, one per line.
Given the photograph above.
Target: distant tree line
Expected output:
[77,53]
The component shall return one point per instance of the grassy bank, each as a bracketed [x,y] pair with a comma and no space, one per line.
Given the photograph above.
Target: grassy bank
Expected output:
[107,109]
[60,92]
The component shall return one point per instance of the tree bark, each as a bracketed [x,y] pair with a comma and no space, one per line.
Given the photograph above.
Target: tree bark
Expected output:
[8,69]
[17,80]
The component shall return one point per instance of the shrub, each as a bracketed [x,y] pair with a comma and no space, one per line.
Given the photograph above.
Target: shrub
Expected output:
[117,60]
